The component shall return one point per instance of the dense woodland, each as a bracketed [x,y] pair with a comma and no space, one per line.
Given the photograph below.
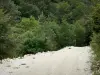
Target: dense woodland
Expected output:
[31,26]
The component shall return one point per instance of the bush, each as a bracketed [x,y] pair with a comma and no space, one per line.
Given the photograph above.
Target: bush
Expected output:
[32,46]
[95,44]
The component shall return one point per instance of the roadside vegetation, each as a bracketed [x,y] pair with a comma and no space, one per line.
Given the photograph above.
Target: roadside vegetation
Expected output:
[95,43]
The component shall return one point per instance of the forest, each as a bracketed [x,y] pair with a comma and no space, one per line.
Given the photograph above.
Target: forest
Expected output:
[32,26]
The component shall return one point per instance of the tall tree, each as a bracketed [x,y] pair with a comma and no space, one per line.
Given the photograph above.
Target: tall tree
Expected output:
[5,42]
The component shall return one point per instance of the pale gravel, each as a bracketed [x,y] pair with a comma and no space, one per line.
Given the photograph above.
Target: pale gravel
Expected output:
[74,61]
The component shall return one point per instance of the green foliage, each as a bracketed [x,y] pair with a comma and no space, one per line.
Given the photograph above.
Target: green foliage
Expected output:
[27,24]
[28,9]
[70,10]
[66,36]
[79,35]
[62,10]
[10,8]
[5,42]
[23,31]
[96,28]
[32,46]
[96,19]
[56,24]
[72,34]
[95,44]
[50,31]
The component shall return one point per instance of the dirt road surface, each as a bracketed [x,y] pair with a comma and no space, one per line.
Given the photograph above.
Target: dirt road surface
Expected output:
[67,61]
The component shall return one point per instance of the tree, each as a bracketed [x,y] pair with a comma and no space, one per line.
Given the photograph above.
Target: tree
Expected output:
[66,35]
[5,43]
[79,34]
[96,19]
[8,6]
[95,43]
[96,28]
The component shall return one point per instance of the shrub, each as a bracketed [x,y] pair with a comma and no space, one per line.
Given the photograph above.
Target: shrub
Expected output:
[32,46]
[95,44]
